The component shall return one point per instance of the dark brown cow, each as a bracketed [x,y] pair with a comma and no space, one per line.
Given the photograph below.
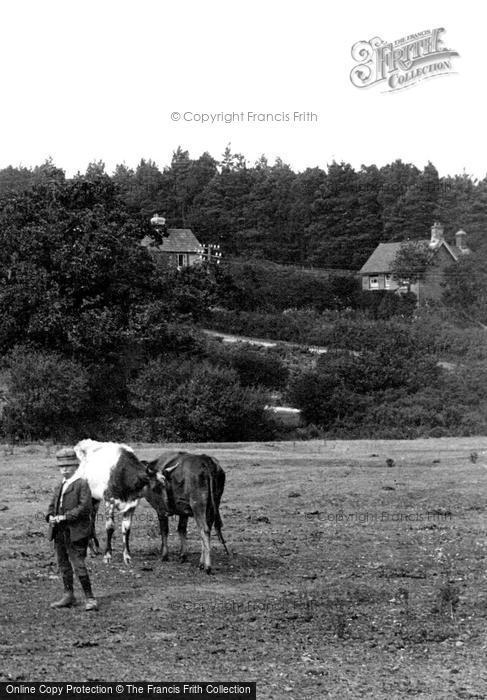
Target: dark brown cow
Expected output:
[187,485]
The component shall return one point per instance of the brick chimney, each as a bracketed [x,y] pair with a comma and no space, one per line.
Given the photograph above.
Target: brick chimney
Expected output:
[460,241]
[436,235]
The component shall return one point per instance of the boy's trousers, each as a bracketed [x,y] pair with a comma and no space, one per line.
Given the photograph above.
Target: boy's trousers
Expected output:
[70,555]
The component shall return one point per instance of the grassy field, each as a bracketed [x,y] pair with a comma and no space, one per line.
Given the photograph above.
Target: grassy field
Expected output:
[348,578]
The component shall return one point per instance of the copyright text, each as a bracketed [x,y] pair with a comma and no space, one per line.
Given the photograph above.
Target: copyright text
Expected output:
[212,118]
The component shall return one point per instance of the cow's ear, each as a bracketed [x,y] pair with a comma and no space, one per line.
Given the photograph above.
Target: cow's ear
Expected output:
[150,467]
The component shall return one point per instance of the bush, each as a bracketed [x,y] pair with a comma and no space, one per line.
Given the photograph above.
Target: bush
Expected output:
[347,387]
[46,395]
[314,393]
[199,402]
[160,378]
[120,429]
[384,304]
[255,366]
[350,403]
[474,422]
[265,286]
[308,432]
[449,340]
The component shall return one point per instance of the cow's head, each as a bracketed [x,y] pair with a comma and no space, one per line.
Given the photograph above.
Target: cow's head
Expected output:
[157,480]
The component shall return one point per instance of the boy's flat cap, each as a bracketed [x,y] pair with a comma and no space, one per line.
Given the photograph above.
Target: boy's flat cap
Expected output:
[66,457]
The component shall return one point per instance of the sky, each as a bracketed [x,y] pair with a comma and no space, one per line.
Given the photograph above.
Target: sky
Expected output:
[121,80]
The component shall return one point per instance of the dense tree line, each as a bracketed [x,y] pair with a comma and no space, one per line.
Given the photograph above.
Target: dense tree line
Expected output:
[331,218]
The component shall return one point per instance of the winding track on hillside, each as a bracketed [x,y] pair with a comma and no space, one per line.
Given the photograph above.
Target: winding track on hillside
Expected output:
[263,342]
[266,343]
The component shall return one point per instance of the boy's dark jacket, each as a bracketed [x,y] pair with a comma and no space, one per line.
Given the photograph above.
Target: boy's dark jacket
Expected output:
[76,506]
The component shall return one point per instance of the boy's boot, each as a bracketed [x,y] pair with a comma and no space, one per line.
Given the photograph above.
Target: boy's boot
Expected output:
[91,603]
[68,598]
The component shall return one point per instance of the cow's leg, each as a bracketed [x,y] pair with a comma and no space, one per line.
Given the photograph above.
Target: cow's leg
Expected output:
[205,560]
[199,512]
[93,541]
[164,529]
[110,527]
[183,540]
[126,525]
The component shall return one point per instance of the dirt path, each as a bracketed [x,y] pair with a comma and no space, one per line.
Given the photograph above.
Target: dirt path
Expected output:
[263,342]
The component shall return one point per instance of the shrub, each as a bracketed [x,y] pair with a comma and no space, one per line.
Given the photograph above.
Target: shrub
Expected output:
[198,402]
[313,392]
[447,339]
[266,286]
[160,378]
[255,366]
[384,304]
[474,421]
[347,387]
[308,432]
[46,395]
[121,429]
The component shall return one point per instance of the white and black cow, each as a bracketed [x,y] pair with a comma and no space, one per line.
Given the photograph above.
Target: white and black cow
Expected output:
[116,476]
[187,485]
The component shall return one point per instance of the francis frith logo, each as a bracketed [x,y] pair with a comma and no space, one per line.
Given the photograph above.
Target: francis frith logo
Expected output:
[401,63]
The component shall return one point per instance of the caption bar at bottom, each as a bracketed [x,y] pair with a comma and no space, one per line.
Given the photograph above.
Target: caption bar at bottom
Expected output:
[128,691]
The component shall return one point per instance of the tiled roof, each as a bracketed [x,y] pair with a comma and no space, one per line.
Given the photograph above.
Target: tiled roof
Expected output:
[179,240]
[384,255]
[381,259]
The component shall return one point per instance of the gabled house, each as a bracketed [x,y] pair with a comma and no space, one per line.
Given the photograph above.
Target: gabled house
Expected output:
[177,247]
[376,273]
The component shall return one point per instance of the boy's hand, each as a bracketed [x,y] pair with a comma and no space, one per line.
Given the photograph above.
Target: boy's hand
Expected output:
[54,519]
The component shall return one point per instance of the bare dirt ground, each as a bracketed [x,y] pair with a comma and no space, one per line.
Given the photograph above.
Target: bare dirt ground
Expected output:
[349,578]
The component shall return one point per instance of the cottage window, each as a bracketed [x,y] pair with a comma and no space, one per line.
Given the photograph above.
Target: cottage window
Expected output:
[181,259]
[387,280]
[374,282]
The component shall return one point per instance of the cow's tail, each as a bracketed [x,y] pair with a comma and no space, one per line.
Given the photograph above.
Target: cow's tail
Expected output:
[93,542]
[215,501]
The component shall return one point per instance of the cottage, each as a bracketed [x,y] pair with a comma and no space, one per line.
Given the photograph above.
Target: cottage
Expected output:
[376,273]
[179,248]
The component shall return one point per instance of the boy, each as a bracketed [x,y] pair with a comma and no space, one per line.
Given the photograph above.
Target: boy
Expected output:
[69,518]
